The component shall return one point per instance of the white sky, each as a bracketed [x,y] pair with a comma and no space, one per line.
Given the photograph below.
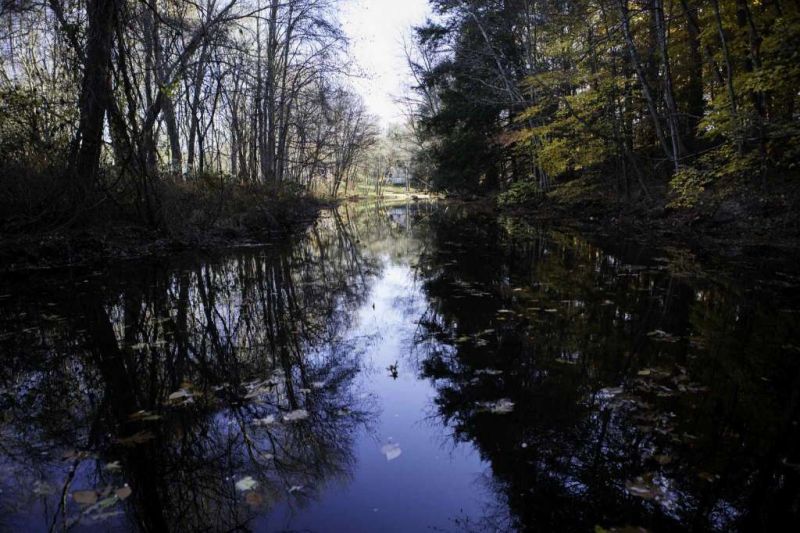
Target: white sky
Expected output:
[376,29]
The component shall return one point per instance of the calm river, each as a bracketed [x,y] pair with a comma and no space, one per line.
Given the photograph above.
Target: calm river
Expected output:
[408,368]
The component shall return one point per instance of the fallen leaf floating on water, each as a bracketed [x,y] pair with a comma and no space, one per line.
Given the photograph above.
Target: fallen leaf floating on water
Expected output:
[259,388]
[266,421]
[641,488]
[43,488]
[649,486]
[503,406]
[123,492]
[662,336]
[625,529]
[254,499]
[101,505]
[85,497]
[488,372]
[178,395]
[246,483]
[707,476]
[391,450]
[73,455]
[144,416]
[294,416]
[785,462]
[182,396]
[136,438]
[500,407]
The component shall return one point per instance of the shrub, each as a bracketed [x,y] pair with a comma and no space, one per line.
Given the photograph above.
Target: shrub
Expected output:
[686,187]
[520,193]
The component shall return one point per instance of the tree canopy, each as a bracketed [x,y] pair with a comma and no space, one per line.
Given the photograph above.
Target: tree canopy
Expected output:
[535,92]
[113,99]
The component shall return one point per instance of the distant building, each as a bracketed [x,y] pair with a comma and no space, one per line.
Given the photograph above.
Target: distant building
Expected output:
[399,176]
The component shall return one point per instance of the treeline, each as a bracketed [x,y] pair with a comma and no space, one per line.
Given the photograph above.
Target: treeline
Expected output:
[537,92]
[117,102]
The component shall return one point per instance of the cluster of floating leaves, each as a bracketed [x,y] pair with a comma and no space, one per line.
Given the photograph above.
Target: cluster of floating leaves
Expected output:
[499,407]
[99,505]
[641,401]
[663,336]
[92,504]
[294,416]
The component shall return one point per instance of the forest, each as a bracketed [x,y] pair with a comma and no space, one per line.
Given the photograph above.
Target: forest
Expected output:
[675,102]
[168,112]
[399,265]
[180,116]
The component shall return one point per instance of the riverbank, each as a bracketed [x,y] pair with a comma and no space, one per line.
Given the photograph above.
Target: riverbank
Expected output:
[390,194]
[727,219]
[189,220]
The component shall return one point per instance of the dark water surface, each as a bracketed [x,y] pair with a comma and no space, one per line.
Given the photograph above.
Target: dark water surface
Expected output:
[415,368]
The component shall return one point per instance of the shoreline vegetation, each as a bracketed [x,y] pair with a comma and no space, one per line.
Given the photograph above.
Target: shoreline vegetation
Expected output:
[135,128]
[647,117]
[195,217]
[728,220]
[212,216]
[129,126]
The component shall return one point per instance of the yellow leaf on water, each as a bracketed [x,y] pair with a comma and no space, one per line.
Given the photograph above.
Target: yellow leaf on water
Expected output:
[85,497]
[254,499]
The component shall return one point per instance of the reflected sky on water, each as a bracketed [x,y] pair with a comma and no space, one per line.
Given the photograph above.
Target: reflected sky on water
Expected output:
[403,368]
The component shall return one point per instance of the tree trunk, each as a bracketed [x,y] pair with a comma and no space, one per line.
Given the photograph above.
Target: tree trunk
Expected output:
[729,77]
[695,107]
[95,94]
[640,74]
[669,93]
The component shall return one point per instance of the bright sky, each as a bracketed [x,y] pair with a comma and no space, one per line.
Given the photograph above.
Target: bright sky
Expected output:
[376,29]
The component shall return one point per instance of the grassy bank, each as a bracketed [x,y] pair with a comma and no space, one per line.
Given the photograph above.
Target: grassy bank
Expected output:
[388,194]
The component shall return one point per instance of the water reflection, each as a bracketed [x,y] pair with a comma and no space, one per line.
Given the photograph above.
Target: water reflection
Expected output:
[345,381]
[608,388]
[212,389]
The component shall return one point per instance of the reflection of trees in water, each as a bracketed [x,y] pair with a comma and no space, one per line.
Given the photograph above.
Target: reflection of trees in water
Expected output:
[237,344]
[612,425]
